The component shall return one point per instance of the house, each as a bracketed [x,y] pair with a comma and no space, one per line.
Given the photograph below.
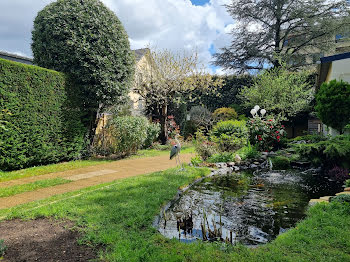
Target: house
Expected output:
[16,58]
[333,67]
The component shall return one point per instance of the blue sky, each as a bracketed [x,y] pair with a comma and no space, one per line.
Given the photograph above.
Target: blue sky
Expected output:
[199,2]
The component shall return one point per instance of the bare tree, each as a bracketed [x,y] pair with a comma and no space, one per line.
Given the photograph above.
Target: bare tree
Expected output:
[269,30]
[167,77]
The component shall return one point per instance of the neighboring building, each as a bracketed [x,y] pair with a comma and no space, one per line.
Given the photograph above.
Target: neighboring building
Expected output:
[142,61]
[333,67]
[16,58]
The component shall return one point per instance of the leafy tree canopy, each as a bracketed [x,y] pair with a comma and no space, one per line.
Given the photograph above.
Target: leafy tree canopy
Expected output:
[280,92]
[86,39]
[333,104]
[267,30]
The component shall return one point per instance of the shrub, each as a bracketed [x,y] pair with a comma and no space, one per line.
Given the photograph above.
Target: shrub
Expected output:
[45,122]
[86,40]
[332,152]
[195,161]
[224,114]
[314,138]
[265,134]
[230,135]
[333,104]
[280,163]
[347,182]
[172,127]
[203,146]
[201,117]
[122,136]
[343,198]
[222,157]
[252,152]
[339,174]
[152,130]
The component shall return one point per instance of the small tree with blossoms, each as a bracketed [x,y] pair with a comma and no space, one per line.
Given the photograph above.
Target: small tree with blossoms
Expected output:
[264,133]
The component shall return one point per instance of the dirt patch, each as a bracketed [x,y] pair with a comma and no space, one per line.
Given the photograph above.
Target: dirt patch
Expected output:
[43,240]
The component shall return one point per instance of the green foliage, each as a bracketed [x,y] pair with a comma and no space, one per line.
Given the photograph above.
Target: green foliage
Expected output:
[222,157]
[332,152]
[347,182]
[204,148]
[45,122]
[86,40]
[195,161]
[201,117]
[283,94]
[251,152]
[310,138]
[225,96]
[152,130]
[266,134]
[230,135]
[224,114]
[343,198]
[123,136]
[3,248]
[333,104]
[280,162]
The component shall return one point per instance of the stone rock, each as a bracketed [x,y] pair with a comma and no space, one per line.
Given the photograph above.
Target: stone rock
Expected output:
[253,166]
[263,157]
[343,193]
[347,189]
[236,168]
[256,163]
[238,159]
[231,164]
[265,153]
[221,165]
[272,153]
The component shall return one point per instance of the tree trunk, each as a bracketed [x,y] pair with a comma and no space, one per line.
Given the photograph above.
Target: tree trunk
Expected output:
[164,132]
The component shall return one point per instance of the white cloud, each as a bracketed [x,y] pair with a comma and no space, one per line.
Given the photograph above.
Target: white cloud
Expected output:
[175,25]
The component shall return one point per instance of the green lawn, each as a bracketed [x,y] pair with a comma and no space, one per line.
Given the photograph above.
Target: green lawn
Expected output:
[14,190]
[119,217]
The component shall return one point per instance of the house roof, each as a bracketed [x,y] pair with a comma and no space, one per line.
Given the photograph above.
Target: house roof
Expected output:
[139,53]
[14,56]
[335,57]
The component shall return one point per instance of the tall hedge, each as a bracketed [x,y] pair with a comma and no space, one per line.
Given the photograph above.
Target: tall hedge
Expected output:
[43,124]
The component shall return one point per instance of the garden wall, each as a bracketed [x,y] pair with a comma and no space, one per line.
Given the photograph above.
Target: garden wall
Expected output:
[42,117]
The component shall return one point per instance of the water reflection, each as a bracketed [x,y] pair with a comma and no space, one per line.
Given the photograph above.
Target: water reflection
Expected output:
[246,208]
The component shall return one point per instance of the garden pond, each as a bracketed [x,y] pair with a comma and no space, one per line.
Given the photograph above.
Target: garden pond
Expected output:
[251,209]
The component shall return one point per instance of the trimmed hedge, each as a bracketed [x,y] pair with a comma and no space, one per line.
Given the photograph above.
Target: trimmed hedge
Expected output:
[44,125]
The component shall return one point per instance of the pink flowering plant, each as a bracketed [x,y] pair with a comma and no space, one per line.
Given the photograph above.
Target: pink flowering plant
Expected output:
[172,127]
[266,134]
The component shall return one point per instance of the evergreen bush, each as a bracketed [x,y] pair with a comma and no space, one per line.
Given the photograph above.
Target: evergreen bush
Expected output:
[44,120]
[333,104]
[230,135]
[224,114]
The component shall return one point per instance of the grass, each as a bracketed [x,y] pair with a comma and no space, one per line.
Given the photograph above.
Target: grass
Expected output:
[43,170]
[119,217]
[14,190]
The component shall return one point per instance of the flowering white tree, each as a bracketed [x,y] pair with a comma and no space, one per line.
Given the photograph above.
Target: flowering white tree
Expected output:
[284,94]
[167,77]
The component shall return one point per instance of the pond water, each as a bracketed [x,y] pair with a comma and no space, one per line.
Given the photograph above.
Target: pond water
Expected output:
[246,208]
